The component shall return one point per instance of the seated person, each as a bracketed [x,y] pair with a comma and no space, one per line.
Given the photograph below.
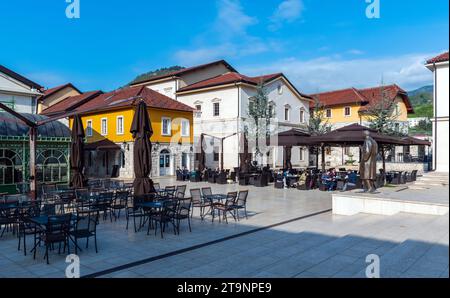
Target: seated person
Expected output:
[328,179]
[185,173]
[350,180]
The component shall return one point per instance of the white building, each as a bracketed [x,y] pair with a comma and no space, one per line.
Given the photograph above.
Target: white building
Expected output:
[18,92]
[439,66]
[221,97]
[413,122]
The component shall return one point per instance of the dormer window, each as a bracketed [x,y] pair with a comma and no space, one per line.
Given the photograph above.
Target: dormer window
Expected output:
[280,89]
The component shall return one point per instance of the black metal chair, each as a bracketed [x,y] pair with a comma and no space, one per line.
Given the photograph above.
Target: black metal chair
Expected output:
[26,226]
[165,216]
[183,212]
[198,202]
[119,203]
[241,203]
[103,203]
[85,227]
[180,191]
[225,207]
[56,231]
[134,211]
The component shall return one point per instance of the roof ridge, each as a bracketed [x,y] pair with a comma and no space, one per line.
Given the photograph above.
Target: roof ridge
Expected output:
[332,91]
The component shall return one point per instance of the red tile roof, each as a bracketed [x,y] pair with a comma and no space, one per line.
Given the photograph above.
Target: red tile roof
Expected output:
[184,71]
[339,97]
[229,78]
[130,97]
[70,103]
[439,58]
[364,97]
[53,90]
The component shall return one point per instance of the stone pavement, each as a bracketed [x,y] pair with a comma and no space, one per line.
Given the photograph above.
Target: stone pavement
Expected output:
[280,239]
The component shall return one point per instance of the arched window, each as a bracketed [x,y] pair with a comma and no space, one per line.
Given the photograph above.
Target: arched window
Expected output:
[51,166]
[302,115]
[11,168]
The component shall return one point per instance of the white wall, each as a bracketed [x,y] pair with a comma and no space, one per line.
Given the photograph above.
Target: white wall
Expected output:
[168,88]
[12,90]
[441,126]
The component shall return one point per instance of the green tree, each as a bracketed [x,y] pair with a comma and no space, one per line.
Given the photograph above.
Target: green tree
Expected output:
[260,112]
[318,123]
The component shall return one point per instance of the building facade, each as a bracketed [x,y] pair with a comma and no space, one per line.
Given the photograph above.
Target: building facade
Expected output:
[109,144]
[18,92]
[439,66]
[348,106]
[221,97]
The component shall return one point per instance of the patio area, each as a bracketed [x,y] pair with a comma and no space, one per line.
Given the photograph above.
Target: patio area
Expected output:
[289,233]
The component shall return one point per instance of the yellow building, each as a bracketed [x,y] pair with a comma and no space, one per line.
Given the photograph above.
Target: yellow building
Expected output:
[351,105]
[109,144]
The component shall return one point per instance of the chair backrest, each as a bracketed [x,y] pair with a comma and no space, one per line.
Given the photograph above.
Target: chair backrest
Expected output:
[184,206]
[121,198]
[196,195]
[58,225]
[86,221]
[82,193]
[106,196]
[206,191]
[242,198]
[181,189]
[231,198]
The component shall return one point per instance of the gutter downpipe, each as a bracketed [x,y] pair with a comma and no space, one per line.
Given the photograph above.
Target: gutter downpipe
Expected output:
[435,118]
[237,123]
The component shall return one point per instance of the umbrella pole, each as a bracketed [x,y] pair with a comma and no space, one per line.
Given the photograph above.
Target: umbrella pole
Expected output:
[33,134]
[323,158]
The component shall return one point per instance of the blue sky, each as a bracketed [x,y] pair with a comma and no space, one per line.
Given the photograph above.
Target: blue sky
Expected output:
[319,45]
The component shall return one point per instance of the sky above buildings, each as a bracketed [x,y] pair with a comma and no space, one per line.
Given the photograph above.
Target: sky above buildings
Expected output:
[319,45]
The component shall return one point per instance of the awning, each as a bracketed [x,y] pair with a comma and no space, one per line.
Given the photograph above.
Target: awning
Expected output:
[293,137]
[354,135]
[103,145]
[416,142]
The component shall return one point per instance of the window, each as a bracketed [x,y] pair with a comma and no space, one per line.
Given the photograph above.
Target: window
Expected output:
[122,159]
[328,113]
[397,109]
[347,111]
[185,132]
[166,129]
[119,125]
[286,113]
[302,154]
[280,89]
[216,156]
[198,108]
[271,111]
[347,150]
[104,127]
[216,109]
[89,128]
[168,91]
[302,116]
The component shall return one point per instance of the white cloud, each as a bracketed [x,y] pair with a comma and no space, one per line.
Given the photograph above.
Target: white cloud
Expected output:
[330,73]
[355,52]
[231,19]
[287,11]
[228,37]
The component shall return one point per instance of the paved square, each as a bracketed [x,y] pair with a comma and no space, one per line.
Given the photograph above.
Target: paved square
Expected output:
[303,239]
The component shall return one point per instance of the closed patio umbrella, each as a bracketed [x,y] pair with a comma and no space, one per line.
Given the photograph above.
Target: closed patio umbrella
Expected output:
[77,153]
[201,164]
[244,156]
[141,129]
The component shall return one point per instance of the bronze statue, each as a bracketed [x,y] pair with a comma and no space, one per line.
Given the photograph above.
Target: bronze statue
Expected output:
[368,164]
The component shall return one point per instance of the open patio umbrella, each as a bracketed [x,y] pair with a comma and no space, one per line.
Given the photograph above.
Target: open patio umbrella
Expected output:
[354,135]
[293,137]
[77,153]
[141,129]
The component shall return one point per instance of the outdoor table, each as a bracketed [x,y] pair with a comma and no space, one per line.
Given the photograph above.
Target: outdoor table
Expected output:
[216,197]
